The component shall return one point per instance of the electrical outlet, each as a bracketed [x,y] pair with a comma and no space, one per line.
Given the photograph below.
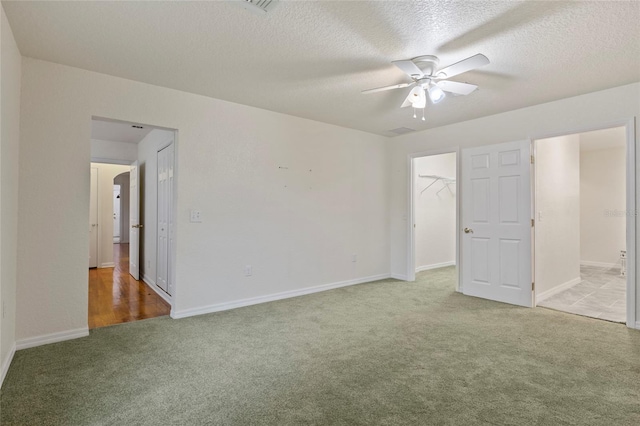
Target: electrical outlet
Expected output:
[195,216]
[248,271]
[354,257]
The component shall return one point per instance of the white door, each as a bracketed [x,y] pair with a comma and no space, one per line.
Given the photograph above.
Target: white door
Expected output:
[496,221]
[116,213]
[165,222]
[134,220]
[93,219]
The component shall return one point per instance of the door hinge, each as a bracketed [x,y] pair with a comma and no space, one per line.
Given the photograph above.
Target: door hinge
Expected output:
[532,159]
[533,286]
[533,222]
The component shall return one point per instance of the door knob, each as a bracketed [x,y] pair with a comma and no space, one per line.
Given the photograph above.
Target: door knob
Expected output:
[468,231]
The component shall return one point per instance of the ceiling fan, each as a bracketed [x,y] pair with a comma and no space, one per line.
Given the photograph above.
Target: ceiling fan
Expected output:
[426,77]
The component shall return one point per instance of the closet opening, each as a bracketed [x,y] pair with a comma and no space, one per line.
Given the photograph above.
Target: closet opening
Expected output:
[433,251]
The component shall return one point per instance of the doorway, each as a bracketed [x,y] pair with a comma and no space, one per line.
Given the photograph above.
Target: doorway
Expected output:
[121,208]
[116,292]
[93,218]
[434,214]
[581,223]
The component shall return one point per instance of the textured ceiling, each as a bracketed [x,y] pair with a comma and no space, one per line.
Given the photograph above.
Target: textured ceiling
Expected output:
[312,58]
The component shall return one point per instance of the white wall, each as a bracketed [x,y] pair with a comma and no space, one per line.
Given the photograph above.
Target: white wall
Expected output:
[123,180]
[569,115]
[113,152]
[106,174]
[557,231]
[148,161]
[297,225]
[292,197]
[10,71]
[603,205]
[435,213]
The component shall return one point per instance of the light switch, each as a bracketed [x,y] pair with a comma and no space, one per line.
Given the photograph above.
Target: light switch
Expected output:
[196,216]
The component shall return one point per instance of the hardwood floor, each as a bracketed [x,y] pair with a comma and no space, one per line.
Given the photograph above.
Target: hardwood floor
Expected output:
[116,297]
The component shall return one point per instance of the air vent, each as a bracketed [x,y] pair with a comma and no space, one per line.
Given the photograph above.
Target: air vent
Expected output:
[401,130]
[258,6]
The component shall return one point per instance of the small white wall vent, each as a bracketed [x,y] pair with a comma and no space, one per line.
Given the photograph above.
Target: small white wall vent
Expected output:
[401,130]
[258,6]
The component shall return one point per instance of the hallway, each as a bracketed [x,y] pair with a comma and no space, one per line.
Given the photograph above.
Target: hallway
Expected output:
[116,297]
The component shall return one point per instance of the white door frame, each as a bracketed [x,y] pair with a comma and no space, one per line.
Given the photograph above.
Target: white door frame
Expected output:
[629,125]
[174,213]
[411,246]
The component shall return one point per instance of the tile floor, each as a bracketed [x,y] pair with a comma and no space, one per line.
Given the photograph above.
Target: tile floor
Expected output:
[600,294]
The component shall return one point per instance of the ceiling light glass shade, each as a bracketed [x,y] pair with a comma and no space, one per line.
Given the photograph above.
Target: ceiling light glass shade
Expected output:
[417,97]
[421,103]
[435,93]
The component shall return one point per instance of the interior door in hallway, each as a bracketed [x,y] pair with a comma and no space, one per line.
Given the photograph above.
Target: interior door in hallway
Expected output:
[134,220]
[496,221]
[117,232]
[165,218]
[93,219]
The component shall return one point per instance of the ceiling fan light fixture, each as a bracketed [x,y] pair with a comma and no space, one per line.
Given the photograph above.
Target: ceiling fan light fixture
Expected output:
[436,94]
[418,98]
[421,103]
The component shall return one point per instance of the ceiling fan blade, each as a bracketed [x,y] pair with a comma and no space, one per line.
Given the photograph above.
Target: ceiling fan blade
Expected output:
[471,63]
[456,88]
[409,68]
[381,89]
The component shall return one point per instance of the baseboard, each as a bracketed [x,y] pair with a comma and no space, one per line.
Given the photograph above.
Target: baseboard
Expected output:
[272,297]
[148,280]
[600,264]
[435,266]
[45,339]
[6,364]
[108,265]
[152,285]
[637,325]
[557,289]
[400,277]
